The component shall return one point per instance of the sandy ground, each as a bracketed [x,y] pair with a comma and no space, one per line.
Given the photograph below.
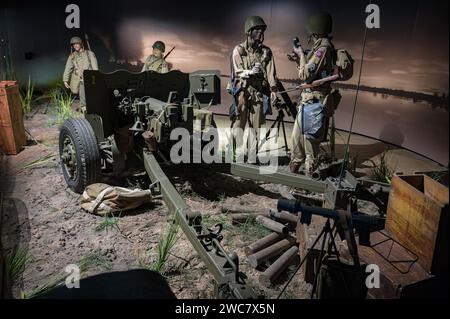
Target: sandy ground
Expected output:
[43,215]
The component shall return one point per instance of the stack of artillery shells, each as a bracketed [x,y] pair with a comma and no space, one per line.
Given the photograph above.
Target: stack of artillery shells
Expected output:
[275,244]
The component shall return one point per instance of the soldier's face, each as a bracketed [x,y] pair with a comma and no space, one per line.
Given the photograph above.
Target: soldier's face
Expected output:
[77,47]
[257,35]
[157,52]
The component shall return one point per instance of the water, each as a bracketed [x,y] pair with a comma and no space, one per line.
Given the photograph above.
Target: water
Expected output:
[412,125]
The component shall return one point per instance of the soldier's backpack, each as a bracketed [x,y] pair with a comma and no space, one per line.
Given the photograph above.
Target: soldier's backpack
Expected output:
[344,62]
[102,199]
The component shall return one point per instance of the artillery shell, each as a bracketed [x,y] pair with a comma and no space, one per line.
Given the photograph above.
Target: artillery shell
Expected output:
[284,217]
[267,253]
[271,274]
[263,243]
[272,225]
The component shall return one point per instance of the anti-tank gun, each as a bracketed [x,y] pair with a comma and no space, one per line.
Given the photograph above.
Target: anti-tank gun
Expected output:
[131,116]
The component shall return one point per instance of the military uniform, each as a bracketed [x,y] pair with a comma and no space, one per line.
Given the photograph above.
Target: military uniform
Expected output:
[77,62]
[250,106]
[153,63]
[253,99]
[319,63]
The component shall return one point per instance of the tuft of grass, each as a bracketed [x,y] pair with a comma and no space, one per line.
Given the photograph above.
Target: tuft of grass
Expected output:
[165,245]
[108,222]
[221,198]
[95,260]
[439,176]
[209,220]
[251,230]
[42,160]
[63,101]
[16,262]
[381,172]
[26,96]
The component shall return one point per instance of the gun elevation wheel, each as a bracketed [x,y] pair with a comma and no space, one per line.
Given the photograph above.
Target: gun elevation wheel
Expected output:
[79,153]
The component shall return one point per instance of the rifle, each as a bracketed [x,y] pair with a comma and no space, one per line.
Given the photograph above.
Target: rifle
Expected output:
[89,49]
[87,41]
[319,82]
[168,53]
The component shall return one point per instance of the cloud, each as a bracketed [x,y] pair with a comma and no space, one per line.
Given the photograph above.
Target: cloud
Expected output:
[399,72]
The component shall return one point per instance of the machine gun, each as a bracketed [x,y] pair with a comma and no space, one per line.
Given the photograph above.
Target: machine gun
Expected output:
[362,223]
[344,223]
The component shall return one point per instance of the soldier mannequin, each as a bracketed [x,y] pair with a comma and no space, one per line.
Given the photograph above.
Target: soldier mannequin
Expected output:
[155,62]
[254,82]
[78,61]
[315,65]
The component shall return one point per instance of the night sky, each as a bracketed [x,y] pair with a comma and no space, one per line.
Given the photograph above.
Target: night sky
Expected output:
[409,51]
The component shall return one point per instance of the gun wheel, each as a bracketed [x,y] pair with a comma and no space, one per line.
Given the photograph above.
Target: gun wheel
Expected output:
[79,154]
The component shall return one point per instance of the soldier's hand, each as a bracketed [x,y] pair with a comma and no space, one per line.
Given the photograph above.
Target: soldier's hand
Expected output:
[67,85]
[293,57]
[257,69]
[273,97]
[298,51]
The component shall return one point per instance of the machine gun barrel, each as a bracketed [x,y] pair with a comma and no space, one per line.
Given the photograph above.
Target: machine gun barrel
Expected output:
[295,206]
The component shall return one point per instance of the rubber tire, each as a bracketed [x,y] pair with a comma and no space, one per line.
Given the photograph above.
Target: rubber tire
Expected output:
[87,151]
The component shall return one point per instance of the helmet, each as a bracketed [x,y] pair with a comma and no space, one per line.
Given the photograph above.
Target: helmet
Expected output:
[254,22]
[74,40]
[159,45]
[320,23]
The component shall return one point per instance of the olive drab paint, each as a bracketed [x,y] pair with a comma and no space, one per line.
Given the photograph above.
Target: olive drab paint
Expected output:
[77,63]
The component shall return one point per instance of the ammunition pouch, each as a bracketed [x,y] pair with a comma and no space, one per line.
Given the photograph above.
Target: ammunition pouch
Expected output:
[314,119]
[234,91]
[267,106]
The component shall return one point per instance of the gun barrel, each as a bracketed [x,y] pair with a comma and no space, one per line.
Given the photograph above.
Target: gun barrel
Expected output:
[295,206]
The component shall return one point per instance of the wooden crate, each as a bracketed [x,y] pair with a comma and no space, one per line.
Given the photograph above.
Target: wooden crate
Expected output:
[306,235]
[401,276]
[12,131]
[417,217]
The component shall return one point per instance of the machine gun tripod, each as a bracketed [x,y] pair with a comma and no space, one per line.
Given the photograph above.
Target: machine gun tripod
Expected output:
[328,232]
[344,224]
[286,107]
[278,123]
